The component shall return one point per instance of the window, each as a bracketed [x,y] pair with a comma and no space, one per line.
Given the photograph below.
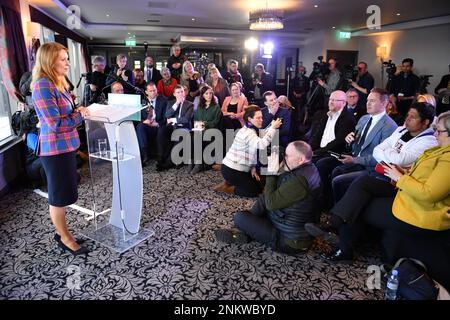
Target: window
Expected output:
[5,114]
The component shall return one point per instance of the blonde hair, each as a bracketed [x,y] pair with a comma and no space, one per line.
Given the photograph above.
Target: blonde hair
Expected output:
[429,98]
[46,57]
[214,69]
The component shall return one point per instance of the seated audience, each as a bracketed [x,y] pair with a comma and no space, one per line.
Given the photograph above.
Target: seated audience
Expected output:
[179,116]
[420,200]
[166,84]
[233,108]
[209,114]
[273,111]
[239,165]
[329,129]
[289,201]
[219,85]
[153,117]
[191,79]
[284,103]
[337,173]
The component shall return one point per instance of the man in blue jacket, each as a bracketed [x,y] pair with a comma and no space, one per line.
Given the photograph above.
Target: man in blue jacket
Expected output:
[338,172]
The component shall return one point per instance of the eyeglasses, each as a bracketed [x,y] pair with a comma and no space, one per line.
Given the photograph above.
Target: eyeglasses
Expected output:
[435,128]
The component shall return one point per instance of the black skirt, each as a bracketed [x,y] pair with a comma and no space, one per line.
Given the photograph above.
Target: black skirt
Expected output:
[61,172]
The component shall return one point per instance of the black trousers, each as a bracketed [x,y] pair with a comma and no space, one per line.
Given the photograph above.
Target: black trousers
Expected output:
[164,143]
[359,195]
[257,225]
[244,183]
[147,136]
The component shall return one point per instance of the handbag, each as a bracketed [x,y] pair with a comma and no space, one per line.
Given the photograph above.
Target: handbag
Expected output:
[414,282]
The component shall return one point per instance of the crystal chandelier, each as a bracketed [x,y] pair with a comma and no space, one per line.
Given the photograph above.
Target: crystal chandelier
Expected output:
[266,19]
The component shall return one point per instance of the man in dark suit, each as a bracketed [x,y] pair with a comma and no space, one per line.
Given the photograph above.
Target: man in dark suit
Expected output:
[122,74]
[151,74]
[329,129]
[153,117]
[179,116]
[338,173]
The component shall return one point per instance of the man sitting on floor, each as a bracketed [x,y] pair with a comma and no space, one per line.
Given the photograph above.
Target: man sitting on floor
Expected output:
[278,217]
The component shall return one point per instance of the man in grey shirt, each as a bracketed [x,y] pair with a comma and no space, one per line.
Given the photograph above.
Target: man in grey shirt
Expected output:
[333,80]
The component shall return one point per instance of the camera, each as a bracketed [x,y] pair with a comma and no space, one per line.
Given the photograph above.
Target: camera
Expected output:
[391,68]
[319,70]
[350,73]
[424,82]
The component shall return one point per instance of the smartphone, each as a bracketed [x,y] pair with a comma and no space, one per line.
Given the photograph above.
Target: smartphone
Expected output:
[384,163]
[335,154]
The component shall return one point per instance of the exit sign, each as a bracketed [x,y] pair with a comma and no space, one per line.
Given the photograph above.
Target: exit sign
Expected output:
[345,35]
[130,43]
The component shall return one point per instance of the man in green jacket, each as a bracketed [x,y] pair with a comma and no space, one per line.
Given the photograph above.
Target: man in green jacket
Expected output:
[290,200]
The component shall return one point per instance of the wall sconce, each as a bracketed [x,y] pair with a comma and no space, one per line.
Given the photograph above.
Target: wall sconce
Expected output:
[381,52]
[33,29]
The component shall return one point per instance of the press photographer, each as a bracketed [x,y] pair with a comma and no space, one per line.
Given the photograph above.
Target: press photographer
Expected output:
[333,80]
[122,74]
[405,86]
[364,83]
[95,82]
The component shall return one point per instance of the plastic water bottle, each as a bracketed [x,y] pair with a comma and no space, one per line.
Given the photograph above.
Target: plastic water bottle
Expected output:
[392,286]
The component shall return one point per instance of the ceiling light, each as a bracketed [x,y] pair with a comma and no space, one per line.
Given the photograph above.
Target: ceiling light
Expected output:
[316,6]
[333,27]
[398,14]
[251,44]
[266,19]
[108,15]
[193,19]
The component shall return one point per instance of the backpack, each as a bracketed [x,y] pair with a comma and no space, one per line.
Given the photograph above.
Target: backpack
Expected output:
[414,282]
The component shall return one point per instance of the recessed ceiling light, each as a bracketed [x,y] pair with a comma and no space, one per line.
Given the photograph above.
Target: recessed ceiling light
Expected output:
[129,33]
[316,6]
[398,14]
[108,15]
[333,27]
[193,19]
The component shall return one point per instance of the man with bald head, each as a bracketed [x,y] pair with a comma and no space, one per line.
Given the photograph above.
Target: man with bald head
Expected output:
[329,129]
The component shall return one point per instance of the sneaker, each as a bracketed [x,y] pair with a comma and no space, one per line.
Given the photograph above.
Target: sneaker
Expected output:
[324,232]
[231,236]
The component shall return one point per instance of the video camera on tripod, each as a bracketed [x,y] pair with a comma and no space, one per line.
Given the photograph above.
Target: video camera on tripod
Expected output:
[390,68]
[319,70]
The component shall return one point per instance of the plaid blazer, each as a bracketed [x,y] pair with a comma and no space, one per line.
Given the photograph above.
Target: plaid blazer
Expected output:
[58,120]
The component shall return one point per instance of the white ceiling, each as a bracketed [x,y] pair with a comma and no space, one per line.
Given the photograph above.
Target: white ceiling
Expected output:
[227,20]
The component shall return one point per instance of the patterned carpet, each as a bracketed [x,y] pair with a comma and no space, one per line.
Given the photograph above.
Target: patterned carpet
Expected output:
[181,261]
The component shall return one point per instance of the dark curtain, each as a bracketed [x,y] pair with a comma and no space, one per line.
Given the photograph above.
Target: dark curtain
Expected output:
[15,43]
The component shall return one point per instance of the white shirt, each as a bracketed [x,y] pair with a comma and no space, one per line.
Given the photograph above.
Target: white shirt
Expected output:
[375,120]
[328,133]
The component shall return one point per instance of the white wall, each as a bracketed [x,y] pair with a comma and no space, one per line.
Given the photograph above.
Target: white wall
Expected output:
[429,47]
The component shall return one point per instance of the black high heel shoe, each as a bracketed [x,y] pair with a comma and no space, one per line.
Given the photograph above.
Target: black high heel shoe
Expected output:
[82,250]
[57,238]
